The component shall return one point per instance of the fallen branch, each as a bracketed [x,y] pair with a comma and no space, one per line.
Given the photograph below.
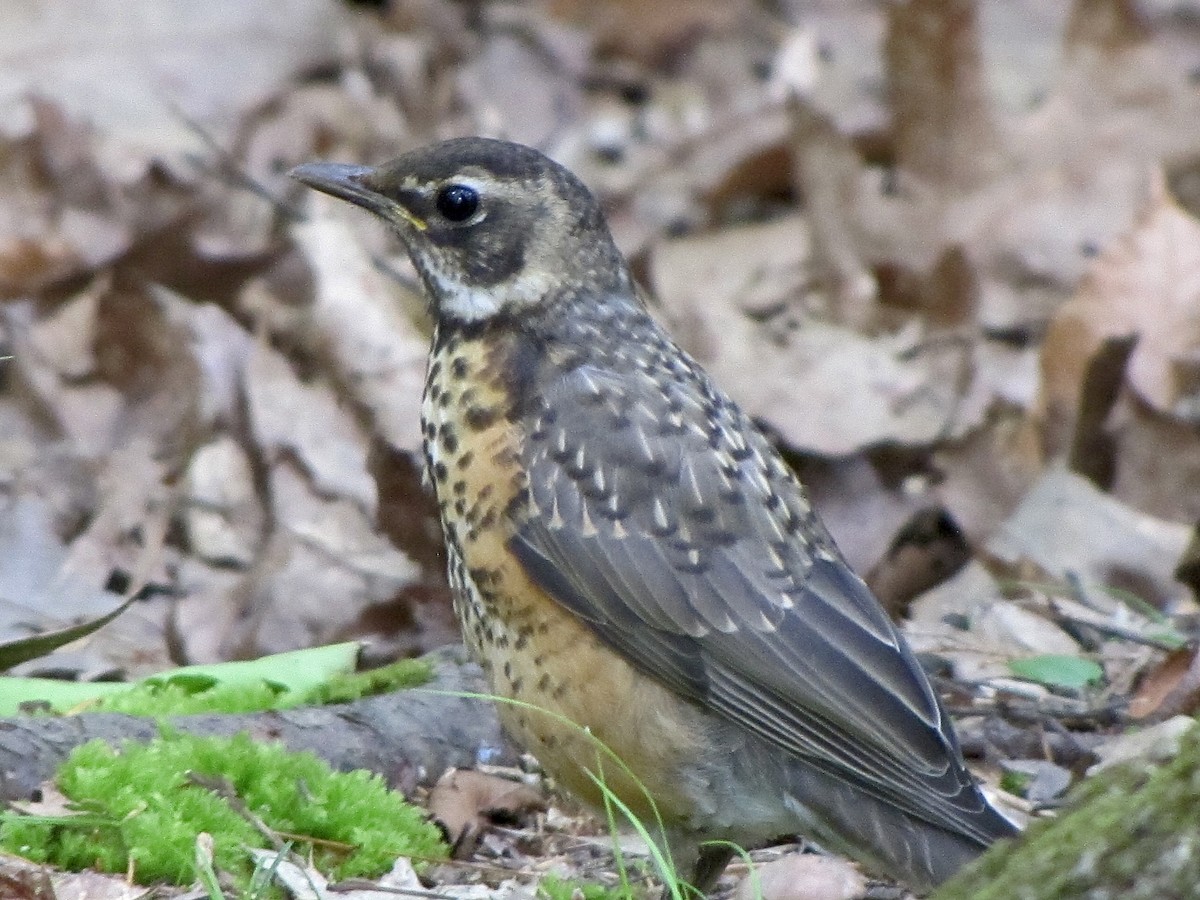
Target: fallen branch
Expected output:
[410,737]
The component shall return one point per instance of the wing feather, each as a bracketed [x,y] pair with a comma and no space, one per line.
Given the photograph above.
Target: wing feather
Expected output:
[704,566]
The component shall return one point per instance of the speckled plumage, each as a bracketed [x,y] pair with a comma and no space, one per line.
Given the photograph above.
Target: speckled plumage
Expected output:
[629,552]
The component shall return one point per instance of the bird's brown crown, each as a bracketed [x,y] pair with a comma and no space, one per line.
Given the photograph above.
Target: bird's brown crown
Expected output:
[495,229]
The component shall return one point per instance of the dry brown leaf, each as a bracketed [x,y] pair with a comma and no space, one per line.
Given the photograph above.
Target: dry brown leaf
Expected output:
[828,172]
[318,571]
[929,549]
[1147,284]
[88,885]
[648,31]
[1092,445]
[1157,460]
[1074,157]
[1171,688]
[466,800]
[57,213]
[23,880]
[733,299]
[945,133]
[986,473]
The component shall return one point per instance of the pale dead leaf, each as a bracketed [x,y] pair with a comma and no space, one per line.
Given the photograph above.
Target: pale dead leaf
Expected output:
[214,598]
[306,421]
[363,321]
[1157,743]
[1022,632]
[97,239]
[41,582]
[85,414]
[51,802]
[1066,526]
[322,567]
[219,348]
[803,876]
[301,882]
[516,92]
[322,118]
[797,66]
[238,226]
[337,527]
[940,623]
[223,515]
[401,880]
[64,339]
[122,65]
[126,536]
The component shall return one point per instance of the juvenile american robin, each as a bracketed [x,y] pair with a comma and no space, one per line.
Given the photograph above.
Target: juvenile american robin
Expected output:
[631,559]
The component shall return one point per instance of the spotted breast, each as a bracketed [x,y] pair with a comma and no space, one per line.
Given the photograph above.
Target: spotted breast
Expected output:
[583,710]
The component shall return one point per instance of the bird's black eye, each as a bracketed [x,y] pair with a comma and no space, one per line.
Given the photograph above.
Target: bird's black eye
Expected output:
[457,202]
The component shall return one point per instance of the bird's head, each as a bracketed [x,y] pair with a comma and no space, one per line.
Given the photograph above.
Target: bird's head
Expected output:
[495,229]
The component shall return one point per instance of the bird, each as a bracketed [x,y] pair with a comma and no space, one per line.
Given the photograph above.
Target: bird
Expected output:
[633,563]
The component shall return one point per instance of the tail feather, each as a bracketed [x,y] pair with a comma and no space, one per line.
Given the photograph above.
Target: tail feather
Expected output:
[886,839]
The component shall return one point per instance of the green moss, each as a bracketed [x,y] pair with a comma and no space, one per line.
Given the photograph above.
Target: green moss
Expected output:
[406,673]
[1016,782]
[1130,832]
[554,888]
[146,810]
[171,696]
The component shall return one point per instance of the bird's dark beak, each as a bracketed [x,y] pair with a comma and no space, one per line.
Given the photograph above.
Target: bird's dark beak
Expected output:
[353,183]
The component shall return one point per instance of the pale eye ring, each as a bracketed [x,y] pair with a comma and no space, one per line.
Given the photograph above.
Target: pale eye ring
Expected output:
[457,202]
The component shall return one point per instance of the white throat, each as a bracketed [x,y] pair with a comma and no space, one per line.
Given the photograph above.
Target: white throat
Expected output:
[467,303]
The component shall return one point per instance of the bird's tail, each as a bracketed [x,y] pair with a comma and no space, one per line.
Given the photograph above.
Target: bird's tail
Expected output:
[891,841]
